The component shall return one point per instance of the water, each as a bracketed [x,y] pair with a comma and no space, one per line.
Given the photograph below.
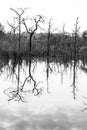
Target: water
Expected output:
[53,108]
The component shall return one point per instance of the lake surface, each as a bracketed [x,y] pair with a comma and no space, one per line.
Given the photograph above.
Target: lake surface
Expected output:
[47,99]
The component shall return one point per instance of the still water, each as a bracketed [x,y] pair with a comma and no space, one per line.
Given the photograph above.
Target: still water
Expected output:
[53,108]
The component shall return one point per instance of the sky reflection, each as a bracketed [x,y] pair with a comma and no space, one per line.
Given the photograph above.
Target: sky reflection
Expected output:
[55,110]
[61,119]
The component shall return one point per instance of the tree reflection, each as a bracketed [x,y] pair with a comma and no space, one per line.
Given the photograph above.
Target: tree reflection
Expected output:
[48,68]
[30,78]
[75,54]
[14,93]
[18,93]
[74,80]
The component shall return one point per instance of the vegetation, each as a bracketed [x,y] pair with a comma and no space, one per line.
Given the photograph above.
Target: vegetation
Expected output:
[61,45]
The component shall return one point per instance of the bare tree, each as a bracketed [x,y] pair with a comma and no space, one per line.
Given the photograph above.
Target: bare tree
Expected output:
[13,33]
[49,38]
[15,94]
[19,14]
[76,31]
[13,26]
[31,30]
[48,50]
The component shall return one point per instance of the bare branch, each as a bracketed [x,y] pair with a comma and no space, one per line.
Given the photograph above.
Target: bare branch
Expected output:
[12,26]
[23,21]
[15,11]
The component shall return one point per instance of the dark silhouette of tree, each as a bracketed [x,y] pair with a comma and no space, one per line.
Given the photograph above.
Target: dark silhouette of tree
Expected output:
[31,30]
[16,94]
[13,38]
[75,34]
[19,19]
[48,52]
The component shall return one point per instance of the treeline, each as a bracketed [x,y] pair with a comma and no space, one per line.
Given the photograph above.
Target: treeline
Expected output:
[62,45]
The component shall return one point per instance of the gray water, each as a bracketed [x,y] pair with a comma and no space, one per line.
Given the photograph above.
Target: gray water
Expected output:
[54,108]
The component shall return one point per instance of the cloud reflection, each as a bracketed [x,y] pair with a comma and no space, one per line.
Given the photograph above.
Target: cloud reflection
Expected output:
[60,120]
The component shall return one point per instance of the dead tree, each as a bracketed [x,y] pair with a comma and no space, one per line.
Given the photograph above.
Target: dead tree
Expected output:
[49,37]
[48,51]
[31,30]
[76,31]
[12,26]
[13,33]
[19,19]
[15,93]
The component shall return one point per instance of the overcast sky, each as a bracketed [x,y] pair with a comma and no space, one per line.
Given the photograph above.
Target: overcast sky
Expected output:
[62,11]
